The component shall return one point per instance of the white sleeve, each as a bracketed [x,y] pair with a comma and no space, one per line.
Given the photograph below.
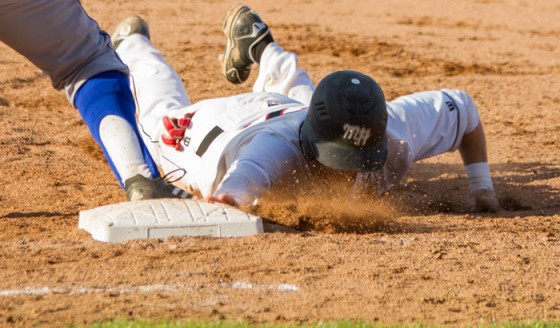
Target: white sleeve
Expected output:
[431,122]
[261,163]
[472,116]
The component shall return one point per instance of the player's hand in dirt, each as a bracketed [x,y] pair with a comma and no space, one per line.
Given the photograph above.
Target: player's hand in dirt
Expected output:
[175,130]
[367,185]
[222,198]
[484,200]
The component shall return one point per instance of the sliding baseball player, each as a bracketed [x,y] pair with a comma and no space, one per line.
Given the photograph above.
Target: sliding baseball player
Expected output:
[235,149]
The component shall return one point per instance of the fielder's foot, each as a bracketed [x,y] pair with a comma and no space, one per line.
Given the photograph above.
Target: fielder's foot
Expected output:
[127,27]
[247,37]
[141,188]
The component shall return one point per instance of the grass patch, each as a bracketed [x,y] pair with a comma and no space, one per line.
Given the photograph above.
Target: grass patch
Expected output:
[337,324]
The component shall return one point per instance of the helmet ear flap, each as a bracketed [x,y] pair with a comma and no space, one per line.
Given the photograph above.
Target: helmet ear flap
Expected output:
[305,142]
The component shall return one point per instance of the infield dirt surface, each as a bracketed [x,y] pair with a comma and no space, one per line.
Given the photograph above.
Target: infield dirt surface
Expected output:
[416,257]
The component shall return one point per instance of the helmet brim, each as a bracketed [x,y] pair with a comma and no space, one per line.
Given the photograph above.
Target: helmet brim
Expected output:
[349,158]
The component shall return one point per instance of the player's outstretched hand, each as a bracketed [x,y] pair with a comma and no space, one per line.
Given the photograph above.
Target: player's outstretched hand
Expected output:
[175,130]
[484,200]
[369,184]
[222,198]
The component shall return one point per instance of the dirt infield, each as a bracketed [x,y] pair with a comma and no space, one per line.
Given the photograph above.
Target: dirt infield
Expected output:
[419,257]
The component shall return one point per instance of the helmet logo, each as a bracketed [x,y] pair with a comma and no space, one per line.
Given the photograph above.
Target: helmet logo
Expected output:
[357,134]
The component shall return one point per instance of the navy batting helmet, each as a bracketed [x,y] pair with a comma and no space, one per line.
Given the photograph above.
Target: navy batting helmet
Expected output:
[346,123]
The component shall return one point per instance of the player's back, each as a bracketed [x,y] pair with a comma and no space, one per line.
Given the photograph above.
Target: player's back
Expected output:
[215,123]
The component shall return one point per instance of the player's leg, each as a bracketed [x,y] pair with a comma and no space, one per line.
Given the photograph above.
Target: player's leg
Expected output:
[247,37]
[158,89]
[58,37]
[62,40]
[250,42]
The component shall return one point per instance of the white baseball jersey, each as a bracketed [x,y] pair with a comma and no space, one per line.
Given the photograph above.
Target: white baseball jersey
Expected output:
[240,146]
[420,126]
[248,144]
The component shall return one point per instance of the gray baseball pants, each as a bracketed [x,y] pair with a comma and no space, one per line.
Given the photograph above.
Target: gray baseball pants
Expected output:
[60,38]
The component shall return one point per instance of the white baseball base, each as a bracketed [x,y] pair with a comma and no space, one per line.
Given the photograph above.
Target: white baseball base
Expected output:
[160,218]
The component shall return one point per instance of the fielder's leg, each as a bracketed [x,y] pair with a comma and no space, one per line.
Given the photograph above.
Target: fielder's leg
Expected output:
[62,40]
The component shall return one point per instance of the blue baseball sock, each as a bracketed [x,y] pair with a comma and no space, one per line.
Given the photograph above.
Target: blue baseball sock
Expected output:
[106,94]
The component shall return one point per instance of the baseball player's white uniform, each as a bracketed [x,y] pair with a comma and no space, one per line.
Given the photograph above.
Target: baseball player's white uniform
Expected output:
[248,144]
[420,126]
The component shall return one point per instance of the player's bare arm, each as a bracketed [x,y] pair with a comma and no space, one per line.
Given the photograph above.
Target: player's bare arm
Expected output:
[474,155]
